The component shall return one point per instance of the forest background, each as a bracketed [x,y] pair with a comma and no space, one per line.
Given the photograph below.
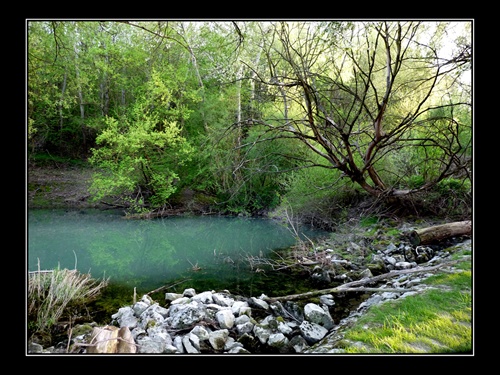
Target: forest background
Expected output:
[300,119]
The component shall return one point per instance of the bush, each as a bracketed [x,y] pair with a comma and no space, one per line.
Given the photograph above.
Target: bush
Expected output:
[452,187]
[319,198]
[415,181]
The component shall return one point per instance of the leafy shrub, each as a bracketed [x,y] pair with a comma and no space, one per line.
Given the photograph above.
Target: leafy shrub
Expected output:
[415,181]
[453,187]
[319,198]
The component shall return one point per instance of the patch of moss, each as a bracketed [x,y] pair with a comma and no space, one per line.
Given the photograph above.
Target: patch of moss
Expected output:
[368,221]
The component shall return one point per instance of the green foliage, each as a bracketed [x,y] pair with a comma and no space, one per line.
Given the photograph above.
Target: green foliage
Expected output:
[140,153]
[393,233]
[300,192]
[170,105]
[453,187]
[318,196]
[449,198]
[261,173]
[415,181]
[210,165]
[368,221]
[47,159]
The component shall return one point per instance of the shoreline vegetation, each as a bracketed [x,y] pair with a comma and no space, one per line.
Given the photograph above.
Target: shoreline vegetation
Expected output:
[392,325]
[360,128]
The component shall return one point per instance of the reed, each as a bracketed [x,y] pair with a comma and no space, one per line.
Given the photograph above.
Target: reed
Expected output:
[51,293]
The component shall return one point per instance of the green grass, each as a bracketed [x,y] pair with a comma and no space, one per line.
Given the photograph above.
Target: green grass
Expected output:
[438,320]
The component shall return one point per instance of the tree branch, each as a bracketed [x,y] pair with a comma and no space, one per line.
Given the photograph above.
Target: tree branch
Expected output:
[358,285]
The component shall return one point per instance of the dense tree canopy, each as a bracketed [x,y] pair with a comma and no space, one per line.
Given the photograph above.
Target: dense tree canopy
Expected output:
[244,110]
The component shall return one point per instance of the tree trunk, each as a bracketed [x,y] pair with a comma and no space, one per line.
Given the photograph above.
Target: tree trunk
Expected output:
[438,233]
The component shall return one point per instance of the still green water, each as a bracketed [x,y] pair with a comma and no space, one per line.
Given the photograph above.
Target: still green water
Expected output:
[203,252]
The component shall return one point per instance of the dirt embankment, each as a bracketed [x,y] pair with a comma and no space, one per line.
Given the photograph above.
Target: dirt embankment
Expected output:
[63,187]
[66,187]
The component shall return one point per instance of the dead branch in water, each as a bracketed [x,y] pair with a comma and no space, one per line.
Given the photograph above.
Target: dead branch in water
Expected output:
[167,286]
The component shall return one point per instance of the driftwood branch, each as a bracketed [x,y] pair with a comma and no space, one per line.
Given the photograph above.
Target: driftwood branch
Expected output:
[358,285]
[167,286]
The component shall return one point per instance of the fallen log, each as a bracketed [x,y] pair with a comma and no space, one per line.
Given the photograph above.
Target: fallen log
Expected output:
[438,233]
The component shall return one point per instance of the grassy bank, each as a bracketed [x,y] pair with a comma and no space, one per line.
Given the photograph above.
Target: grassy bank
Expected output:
[437,321]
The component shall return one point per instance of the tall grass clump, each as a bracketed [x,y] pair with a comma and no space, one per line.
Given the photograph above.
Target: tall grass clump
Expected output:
[52,294]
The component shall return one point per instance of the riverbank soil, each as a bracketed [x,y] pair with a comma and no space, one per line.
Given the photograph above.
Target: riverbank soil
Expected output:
[59,187]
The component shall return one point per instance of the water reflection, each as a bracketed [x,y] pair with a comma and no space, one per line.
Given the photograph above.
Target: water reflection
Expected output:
[150,253]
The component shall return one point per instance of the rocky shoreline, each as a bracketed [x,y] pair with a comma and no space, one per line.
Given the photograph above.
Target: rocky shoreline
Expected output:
[212,322]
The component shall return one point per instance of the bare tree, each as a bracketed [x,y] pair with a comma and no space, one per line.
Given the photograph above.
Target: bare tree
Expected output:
[376,101]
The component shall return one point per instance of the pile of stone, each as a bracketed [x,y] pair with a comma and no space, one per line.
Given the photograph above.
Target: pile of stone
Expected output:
[211,322]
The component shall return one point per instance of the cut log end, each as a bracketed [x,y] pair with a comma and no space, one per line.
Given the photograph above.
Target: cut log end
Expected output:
[438,233]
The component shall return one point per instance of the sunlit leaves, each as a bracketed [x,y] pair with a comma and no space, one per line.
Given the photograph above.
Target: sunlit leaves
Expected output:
[141,151]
